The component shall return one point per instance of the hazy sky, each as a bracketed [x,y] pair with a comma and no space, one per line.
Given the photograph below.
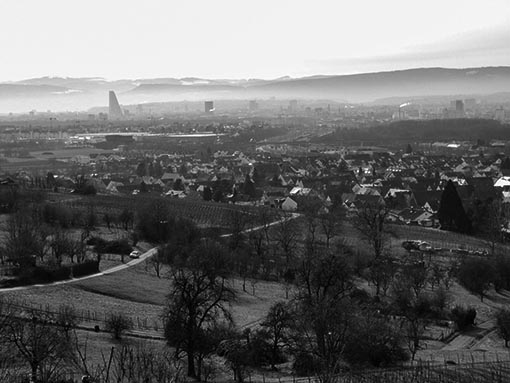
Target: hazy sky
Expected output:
[247,39]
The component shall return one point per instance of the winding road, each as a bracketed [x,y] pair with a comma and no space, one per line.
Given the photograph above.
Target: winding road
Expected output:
[149,253]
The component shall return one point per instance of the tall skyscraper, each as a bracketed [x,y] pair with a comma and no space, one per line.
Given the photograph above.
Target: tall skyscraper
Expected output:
[209,106]
[114,110]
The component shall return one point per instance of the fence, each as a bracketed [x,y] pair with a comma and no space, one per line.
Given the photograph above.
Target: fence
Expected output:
[152,328]
[486,372]
[475,372]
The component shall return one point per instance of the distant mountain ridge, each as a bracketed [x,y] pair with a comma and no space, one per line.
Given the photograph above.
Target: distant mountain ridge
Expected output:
[83,93]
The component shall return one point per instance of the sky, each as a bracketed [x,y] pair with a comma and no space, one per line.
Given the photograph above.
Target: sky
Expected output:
[132,39]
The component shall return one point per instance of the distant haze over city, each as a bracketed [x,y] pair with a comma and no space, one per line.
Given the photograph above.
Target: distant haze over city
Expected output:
[80,94]
[64,56]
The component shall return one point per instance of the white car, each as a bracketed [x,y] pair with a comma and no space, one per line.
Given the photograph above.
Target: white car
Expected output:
[134,254]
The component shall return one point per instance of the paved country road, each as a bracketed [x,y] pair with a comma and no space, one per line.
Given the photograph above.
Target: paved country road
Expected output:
[124,266]
[143,257]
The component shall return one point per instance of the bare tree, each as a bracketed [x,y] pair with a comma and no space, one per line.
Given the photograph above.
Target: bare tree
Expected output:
[258,245]
[23,240]
[61,244]
[330,224]
[238,222]
[381,273]
[286,234]
[278,322]
[370,222]
[118,324]
[157,262]
[197,302]
[492,224]
[414,329]
[38,341]
[311,209]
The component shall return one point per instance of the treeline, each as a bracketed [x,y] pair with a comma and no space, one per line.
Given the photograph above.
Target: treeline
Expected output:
[425,131]
[45,242]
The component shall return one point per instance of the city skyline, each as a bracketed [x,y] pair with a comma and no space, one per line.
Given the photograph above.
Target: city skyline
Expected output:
[233,39]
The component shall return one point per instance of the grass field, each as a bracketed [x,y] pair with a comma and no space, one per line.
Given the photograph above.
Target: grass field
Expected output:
[139,294]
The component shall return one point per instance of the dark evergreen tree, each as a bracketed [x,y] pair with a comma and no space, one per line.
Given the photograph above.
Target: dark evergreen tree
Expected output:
[249,186]
[275,181]
[258,178]
[50,179]
[143,187]
[218,196]
[505,165]
[409,149]
[451,213]
[141,169]
[178,185]
[207,194]
[158,169]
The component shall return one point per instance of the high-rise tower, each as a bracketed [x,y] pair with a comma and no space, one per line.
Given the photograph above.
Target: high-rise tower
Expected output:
[114,110]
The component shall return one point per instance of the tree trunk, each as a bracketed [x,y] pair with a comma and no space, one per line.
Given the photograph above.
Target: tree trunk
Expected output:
[34,366]
[191,365]
[275,355]
[199,369]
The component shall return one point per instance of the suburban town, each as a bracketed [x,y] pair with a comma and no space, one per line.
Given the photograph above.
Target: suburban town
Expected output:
[255,192]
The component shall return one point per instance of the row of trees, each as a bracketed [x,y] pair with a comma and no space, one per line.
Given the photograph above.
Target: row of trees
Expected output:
[28,238]
[40,234]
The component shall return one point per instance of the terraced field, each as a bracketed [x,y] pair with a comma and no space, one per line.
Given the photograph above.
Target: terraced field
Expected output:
[201,212]
[489,372]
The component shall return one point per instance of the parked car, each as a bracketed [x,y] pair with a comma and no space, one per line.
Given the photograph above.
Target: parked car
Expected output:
[417,246]
[134,254]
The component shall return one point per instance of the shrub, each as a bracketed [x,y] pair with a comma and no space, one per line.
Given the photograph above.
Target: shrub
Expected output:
[375,341]
[476,275]
[117,324]
[502,272]
[86,268]
[306,364]
[40,274]
[66,318]
[439,301]
[119,246]
[96,241]
[463,317]
[503,324]
[57,214]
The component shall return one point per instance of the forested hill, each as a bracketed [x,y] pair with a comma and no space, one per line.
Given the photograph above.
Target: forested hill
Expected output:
[424,131]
